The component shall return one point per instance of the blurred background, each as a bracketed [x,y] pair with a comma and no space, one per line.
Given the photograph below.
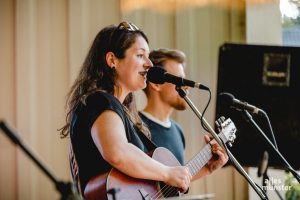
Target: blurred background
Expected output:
[44,42]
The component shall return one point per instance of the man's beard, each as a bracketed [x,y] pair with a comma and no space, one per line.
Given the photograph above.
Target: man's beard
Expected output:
[180,105]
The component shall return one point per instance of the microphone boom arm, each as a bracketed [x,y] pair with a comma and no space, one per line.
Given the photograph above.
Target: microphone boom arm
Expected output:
[260,193]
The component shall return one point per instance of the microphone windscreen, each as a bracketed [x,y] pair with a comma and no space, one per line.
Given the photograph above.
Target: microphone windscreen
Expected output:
[156,75]
[226,99]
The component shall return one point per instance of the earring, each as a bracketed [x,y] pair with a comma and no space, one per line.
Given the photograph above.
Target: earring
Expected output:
[113,69]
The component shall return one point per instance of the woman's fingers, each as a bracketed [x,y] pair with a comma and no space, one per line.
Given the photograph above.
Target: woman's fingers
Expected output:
[180,178]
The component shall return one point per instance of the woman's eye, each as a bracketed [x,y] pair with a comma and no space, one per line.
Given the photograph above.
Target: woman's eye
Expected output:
[140,55]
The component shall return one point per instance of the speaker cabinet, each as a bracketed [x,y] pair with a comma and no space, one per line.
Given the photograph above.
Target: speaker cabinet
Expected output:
[269,78]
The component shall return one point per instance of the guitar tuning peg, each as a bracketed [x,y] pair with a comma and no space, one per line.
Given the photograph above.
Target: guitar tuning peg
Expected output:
[217,124]
[221,120]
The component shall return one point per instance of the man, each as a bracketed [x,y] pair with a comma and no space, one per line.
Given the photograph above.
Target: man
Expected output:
[162,100]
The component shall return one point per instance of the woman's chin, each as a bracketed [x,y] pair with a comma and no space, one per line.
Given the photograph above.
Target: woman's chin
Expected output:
[142,85]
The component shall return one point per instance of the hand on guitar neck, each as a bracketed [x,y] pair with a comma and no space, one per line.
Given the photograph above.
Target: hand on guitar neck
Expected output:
[219,156]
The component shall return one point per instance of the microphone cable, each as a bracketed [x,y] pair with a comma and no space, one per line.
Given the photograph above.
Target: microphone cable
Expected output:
[270,128]
[204,110]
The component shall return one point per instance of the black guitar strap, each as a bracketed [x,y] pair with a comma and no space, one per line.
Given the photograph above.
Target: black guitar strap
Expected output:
[147,142]
[74,169]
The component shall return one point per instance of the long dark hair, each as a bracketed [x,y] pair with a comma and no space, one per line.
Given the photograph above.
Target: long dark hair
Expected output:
[96,75]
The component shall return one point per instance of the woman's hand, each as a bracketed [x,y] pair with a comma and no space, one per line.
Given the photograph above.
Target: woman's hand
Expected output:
[179,177]
[216,163]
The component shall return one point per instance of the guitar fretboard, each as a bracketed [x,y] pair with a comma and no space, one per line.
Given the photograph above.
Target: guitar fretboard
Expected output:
[200,159]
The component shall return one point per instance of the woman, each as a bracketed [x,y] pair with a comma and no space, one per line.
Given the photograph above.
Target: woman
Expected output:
[105,129]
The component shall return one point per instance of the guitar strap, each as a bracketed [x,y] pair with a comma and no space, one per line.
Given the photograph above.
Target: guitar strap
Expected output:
[147,142]
[74,168]
[150,145]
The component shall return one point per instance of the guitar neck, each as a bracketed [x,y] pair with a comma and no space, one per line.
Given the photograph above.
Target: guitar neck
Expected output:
[200,159]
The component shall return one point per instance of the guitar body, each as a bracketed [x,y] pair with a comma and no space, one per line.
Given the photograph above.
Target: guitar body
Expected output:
[130,188]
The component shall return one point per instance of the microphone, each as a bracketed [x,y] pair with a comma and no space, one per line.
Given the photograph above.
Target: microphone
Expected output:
[158,75]
[263,164]
[229,101]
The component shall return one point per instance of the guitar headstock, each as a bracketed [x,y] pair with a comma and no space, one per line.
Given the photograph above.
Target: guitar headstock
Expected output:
[227,130]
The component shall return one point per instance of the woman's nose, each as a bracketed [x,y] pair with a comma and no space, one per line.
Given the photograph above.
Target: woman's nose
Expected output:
[148,64]
[186,89]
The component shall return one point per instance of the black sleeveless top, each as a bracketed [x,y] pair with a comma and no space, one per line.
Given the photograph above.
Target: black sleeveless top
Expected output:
[90,161]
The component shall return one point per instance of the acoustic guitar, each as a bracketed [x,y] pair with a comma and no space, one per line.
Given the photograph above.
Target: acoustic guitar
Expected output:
[138,189]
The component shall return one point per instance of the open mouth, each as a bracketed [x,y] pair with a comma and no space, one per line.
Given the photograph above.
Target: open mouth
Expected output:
[143,73]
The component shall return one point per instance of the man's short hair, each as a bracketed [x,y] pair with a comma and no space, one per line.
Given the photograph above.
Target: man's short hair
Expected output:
[160,56]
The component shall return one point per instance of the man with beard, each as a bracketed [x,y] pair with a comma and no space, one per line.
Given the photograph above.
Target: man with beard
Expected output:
[162,100]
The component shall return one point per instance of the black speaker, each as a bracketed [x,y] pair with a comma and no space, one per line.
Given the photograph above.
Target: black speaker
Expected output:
[269,78]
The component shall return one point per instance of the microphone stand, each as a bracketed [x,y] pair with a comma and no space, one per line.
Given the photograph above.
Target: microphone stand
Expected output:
[260,192]
[271,146]
[264,173]
[266,179]
[67,190]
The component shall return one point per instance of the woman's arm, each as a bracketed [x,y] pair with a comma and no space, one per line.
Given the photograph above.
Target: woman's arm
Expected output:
[109,136]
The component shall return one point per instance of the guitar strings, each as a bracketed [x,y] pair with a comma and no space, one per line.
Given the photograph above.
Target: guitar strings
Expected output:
[161,193]
[198,164]
[206,152]
[169,190]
